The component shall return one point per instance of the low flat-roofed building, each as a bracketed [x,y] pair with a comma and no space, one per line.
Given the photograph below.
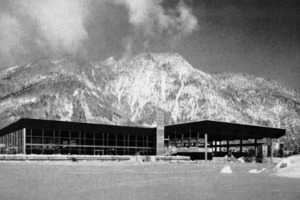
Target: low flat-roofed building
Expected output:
[220,137]
[35,136]
[205,138]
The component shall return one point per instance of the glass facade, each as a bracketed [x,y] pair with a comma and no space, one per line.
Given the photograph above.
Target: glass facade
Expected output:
[43,141]
[12,143]
[185,140]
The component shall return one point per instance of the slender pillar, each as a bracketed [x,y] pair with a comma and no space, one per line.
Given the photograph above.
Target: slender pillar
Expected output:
[255,146]
[205,146]
[79,142]
[215,143]
[147,145]
[175,139]
[24,140]
[43,141]
[190,137]
[103,139]
[69,147]
[124,144]
[241,145]
[271,150]
[227,146]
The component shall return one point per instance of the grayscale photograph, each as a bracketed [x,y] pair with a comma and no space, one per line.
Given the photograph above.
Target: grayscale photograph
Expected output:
[149,99]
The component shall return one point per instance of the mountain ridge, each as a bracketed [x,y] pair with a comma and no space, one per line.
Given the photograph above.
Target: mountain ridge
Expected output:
[130,90]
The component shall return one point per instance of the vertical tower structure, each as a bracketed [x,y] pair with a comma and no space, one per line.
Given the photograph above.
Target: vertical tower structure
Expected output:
[160,132]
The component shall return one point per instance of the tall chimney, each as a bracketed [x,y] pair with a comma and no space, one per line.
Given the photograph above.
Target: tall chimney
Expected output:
[160,132]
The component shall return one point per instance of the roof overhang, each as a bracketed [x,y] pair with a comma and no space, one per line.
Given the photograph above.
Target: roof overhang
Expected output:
[225,130]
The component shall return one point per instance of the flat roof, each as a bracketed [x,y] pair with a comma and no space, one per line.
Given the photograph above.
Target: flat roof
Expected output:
[73,126]
[216,130]
[225,130]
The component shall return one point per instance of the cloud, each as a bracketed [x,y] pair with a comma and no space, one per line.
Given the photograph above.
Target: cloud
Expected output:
[10,36]
[154,21]
[60,22]
[90,29]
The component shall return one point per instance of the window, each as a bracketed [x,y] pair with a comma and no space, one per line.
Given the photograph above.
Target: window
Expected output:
[36,140]
[111,136]
[74,134]
[64,134]
[99,136]
[28,132]
[89,135]
[89,142]
[48,133]
[98,142]
[56,133]
[36,133]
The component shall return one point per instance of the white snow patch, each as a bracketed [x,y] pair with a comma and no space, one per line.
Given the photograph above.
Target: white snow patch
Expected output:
[76,92]
[11,69]
[68,108]
[255,171]
[28,65]
[86,109]
[55,62]
[175,110]
[109,61]
[288,167]
[93,73]
[27,100]
[95,94]
[226,170]
[87,82]
[241,159]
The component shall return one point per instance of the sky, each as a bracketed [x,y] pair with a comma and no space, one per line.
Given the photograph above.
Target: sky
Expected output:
[259,37]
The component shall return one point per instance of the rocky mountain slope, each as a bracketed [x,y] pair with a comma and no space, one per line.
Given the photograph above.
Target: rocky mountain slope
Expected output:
[129,91]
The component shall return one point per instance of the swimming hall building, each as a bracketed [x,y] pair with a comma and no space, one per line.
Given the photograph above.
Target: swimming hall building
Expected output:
[200,139]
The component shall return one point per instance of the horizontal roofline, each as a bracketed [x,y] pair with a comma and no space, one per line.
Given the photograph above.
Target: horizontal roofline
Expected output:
[207,120]
[56,124]
[96,124]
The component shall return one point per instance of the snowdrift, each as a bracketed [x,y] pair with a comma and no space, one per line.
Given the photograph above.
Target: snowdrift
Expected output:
[288,167]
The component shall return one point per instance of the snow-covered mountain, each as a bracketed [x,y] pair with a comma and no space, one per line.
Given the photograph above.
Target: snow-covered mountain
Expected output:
[129,91]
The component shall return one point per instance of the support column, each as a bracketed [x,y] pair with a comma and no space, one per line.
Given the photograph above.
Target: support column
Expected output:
[271,149]
[215,143]
[227,146]
[175,138]
[205,146]
[24,140]
[43,143]
[241,146]
[255,146]
[69,147]
[190,137]
[124,149]
[79,142]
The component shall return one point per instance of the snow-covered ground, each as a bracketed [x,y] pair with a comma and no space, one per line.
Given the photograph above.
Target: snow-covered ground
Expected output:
[105,180]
